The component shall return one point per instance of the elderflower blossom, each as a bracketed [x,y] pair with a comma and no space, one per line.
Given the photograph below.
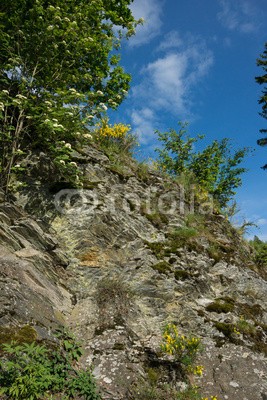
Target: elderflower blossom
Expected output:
[16,101]
[68,145]
[103,106]
[56,125]
[20,96]
[2,107]
[62,162]
[87,136]
[5,91]
[100,93]
[73,164]
[50,27]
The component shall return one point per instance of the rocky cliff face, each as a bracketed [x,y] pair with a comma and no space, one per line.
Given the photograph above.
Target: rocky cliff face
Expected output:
[117,261]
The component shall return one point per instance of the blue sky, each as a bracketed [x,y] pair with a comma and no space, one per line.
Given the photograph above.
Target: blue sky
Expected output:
[195,61]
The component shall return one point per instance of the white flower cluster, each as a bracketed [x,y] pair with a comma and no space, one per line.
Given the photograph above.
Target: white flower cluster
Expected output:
[103,106]
[87,136]
[56,125]
[20,96]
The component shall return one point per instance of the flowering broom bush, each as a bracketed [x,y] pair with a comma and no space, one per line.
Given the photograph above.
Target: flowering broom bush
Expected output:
[184,350]
[117,137]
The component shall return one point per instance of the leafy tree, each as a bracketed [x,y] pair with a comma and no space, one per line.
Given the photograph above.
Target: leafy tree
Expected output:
[260,248]
[216,168]
[262,80]
[58,71]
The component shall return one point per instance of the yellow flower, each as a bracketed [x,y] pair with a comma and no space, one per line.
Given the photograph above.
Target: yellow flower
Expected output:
[198,370]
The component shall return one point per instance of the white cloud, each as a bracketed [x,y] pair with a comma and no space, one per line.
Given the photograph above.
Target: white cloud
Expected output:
[151,11]
[143,121]
[239,15]
[261,221]
[167,83]
[171,40]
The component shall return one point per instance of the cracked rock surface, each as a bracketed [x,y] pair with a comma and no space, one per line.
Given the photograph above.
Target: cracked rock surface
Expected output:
[112,267]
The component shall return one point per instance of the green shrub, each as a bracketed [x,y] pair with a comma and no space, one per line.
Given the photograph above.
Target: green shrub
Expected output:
[32,371]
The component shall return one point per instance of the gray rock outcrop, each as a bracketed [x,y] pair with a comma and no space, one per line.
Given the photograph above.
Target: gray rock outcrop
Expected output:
[118,260]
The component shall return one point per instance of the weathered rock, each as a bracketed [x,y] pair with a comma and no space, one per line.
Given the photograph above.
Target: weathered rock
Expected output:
[31,292]
[130,270]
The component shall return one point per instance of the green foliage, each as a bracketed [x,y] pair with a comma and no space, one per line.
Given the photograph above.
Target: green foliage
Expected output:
[262,80]
[260,251]
[216,169]
[32,371]
[58,71]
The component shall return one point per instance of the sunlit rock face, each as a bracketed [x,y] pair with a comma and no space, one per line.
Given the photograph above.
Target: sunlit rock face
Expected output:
[119,259]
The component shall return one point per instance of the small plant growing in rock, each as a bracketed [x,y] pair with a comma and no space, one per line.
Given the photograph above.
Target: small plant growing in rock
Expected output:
[183,349]
[114,298]
[163,267]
